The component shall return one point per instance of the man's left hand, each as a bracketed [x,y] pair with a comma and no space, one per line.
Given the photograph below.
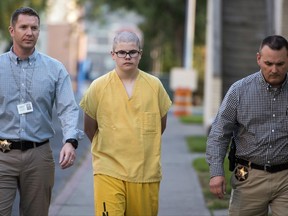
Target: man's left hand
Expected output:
[67,156]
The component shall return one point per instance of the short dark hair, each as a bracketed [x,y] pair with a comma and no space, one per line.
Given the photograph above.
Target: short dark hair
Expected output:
[274,42]
[23,10]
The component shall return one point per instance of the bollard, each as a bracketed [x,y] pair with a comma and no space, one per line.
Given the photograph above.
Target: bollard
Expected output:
[182,102]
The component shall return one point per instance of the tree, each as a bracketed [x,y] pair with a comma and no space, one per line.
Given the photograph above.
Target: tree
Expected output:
[8,7]
[163,28]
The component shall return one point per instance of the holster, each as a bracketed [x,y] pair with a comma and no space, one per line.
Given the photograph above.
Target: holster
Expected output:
[232,155]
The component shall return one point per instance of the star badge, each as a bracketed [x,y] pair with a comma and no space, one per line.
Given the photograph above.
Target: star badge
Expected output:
[241,173]
[5,145]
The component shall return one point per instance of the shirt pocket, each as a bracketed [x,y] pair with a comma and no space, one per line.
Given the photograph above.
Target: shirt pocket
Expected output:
[149,122]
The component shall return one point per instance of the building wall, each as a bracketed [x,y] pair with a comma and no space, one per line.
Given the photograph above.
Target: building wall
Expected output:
[244,24]
[65,37]
[63,45]
[284,18]
[235,30]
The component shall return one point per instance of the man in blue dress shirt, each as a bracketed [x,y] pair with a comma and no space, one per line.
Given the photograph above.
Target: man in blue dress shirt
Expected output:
[31,83]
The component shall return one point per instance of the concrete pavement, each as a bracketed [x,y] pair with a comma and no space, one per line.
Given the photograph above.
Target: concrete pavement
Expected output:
[180,191]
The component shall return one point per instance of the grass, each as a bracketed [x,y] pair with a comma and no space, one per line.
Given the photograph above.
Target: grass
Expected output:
[197,144]
[202,170]
[191,119]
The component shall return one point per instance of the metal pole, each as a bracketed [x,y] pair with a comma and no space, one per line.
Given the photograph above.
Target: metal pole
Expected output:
[189,36]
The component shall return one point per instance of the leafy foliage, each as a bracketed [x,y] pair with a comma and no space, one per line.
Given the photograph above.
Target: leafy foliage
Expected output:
[163,28]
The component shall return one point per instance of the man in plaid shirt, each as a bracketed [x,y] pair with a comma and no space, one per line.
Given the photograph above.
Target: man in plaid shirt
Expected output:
[254,113]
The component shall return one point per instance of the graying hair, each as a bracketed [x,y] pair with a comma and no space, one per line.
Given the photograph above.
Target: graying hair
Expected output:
[127,37]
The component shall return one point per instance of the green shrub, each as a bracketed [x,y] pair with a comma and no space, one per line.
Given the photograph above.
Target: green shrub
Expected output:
[197,143]
[191,119]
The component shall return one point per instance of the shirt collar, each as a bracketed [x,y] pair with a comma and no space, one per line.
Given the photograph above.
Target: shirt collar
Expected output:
[267,85]
[15,59]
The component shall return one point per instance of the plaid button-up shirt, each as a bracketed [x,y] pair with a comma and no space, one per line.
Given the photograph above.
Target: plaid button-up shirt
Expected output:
[257,116]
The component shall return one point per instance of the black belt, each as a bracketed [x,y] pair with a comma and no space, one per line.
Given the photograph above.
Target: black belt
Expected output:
[24,145]
[267,167]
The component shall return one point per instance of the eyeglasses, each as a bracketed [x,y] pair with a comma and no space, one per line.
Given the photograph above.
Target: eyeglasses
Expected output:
[131,53]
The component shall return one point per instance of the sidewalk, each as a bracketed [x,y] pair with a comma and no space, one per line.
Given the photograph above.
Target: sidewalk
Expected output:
[180,191]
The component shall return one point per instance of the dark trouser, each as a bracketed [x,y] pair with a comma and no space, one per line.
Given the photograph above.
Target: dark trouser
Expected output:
[32,172]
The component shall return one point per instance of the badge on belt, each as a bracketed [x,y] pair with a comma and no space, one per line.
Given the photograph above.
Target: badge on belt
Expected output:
[241,173]
[5,145]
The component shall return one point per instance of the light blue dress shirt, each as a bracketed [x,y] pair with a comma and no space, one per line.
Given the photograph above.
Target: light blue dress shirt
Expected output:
[43,81]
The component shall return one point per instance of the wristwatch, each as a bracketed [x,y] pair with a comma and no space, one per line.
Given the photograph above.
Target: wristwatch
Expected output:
[73,142]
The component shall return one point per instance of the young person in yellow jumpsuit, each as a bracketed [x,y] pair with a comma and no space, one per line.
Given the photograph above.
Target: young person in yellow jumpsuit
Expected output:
[125,116]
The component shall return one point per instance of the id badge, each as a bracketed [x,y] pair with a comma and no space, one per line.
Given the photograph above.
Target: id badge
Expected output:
[25,108]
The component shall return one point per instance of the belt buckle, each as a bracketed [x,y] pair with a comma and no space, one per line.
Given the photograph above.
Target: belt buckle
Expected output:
[267,167]
[5,145]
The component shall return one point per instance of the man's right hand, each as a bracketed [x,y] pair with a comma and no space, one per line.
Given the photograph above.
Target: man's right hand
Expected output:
[218,186]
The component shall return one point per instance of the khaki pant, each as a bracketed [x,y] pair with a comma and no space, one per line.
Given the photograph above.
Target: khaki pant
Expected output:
[125,198]
[262,189]
[32,172]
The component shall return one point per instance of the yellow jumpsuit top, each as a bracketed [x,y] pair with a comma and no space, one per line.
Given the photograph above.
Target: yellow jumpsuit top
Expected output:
[127,145]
